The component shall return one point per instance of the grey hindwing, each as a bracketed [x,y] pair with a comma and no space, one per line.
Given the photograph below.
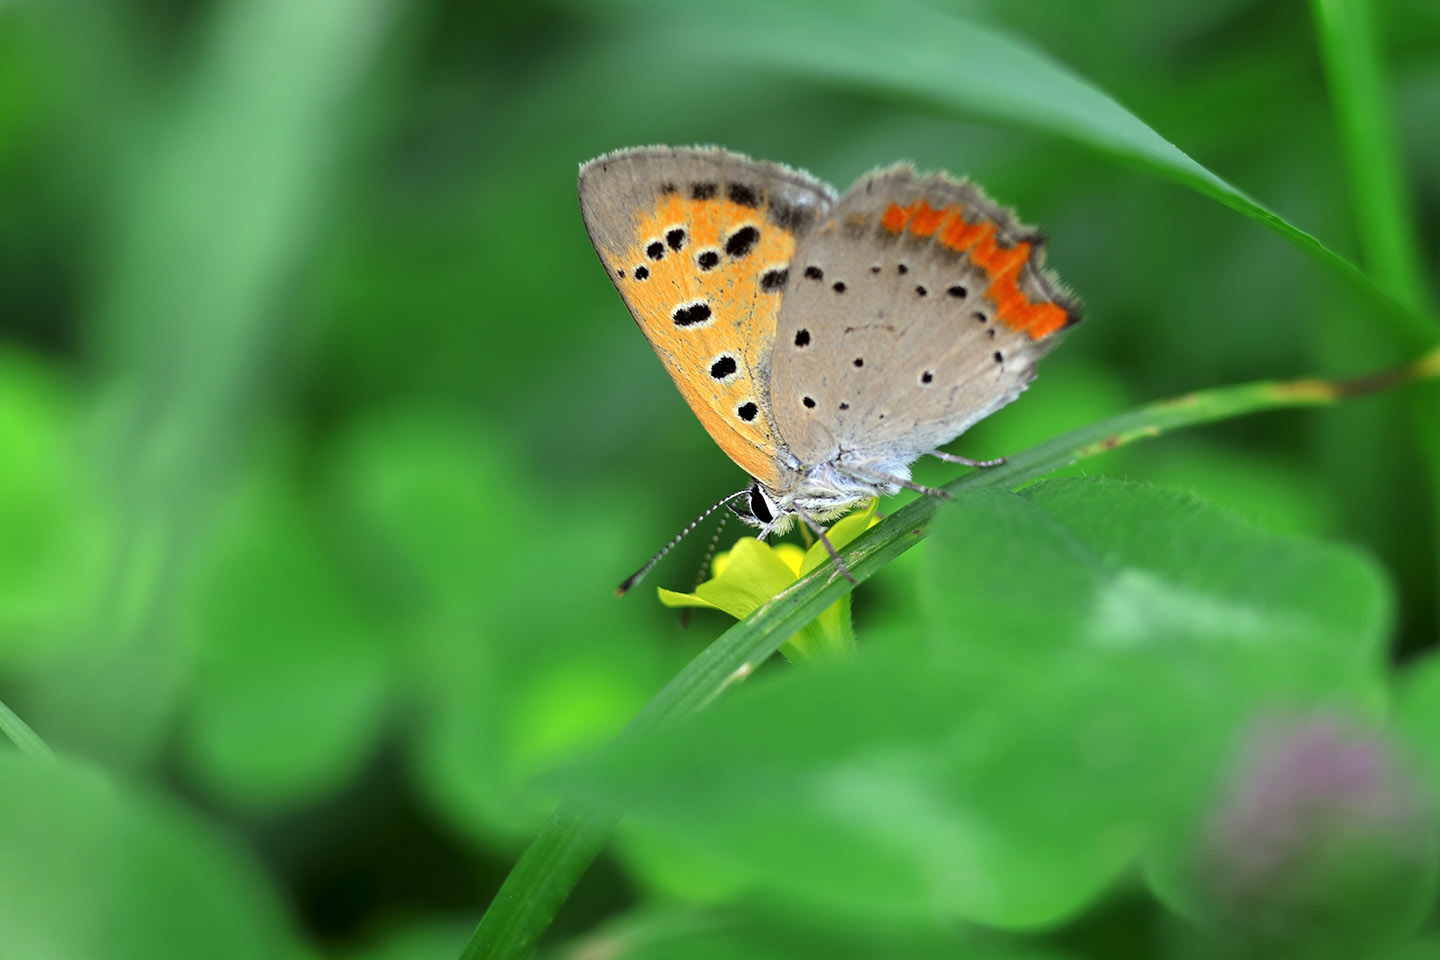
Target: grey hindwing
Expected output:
[888,345]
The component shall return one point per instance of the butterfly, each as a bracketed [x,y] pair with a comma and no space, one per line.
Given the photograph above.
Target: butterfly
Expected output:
[826,342]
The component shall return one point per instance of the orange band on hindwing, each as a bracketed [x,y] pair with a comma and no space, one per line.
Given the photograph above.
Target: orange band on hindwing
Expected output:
[1002,265]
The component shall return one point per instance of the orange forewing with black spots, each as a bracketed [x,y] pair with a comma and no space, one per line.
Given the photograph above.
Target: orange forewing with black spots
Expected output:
[717,277]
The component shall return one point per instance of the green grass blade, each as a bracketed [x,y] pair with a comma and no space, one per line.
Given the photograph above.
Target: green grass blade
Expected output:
[20,734]
[1378,196]
[966,68]
[574,834]
[213,220]
[1352,59]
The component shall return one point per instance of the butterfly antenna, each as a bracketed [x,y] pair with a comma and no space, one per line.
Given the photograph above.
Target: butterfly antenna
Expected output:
[639,575]
[704,566]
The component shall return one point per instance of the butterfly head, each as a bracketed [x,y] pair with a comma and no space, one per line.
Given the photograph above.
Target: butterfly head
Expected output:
[818,497]
[759,507]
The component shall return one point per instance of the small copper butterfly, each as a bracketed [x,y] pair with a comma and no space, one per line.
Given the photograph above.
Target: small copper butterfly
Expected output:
[825,341]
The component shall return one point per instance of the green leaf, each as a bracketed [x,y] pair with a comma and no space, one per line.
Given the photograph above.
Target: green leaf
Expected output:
[576,832]
[90,868]
[1317,842]
[760,932]
[231,174]
[1093,647]
[1135,567]
[293,677]
[506,678]
[54,536]
[426,940]
[1418,715]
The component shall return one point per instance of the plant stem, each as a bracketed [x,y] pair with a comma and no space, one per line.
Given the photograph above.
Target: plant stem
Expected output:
[575,834]
[1378,197]
[1348,47]
[20,734]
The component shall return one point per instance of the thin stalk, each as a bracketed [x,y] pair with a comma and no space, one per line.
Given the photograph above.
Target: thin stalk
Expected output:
[1379,200]
[20,734]
[575,833]
[1378,197]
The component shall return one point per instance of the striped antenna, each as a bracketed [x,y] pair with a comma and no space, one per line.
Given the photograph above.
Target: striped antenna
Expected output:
[639,575]
[701,573]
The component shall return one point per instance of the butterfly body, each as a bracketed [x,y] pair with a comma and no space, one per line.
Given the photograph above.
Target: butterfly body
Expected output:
[825,342]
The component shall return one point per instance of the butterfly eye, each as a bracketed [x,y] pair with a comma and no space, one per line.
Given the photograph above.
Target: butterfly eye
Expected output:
[760,504]
[757,509]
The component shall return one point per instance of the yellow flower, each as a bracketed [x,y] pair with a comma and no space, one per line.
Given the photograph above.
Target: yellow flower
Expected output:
[752,572]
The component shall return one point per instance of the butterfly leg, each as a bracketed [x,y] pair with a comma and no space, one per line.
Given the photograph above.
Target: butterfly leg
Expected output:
[906,484]
[921,488]
[819,532]
[966,461]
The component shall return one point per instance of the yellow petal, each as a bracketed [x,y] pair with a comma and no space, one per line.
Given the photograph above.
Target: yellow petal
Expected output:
[792,553]
[672,598]
[752,574]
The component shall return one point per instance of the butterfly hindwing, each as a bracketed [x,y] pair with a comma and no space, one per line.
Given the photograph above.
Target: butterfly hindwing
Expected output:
[699,243]
[915,308]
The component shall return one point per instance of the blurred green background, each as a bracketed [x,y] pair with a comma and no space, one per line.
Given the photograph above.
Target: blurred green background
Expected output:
[324,439]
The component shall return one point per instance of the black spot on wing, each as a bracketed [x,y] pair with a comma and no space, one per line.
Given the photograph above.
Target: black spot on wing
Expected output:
[675,238]
[747,411]
[742,241]
[707,260]
[774,280]
[691,314]
[722,367]
[802,338]
[655,250]
[790,217]
[743,194]
[703,191]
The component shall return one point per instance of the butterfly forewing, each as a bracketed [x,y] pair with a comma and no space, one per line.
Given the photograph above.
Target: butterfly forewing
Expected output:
[916,308]
[700,243]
